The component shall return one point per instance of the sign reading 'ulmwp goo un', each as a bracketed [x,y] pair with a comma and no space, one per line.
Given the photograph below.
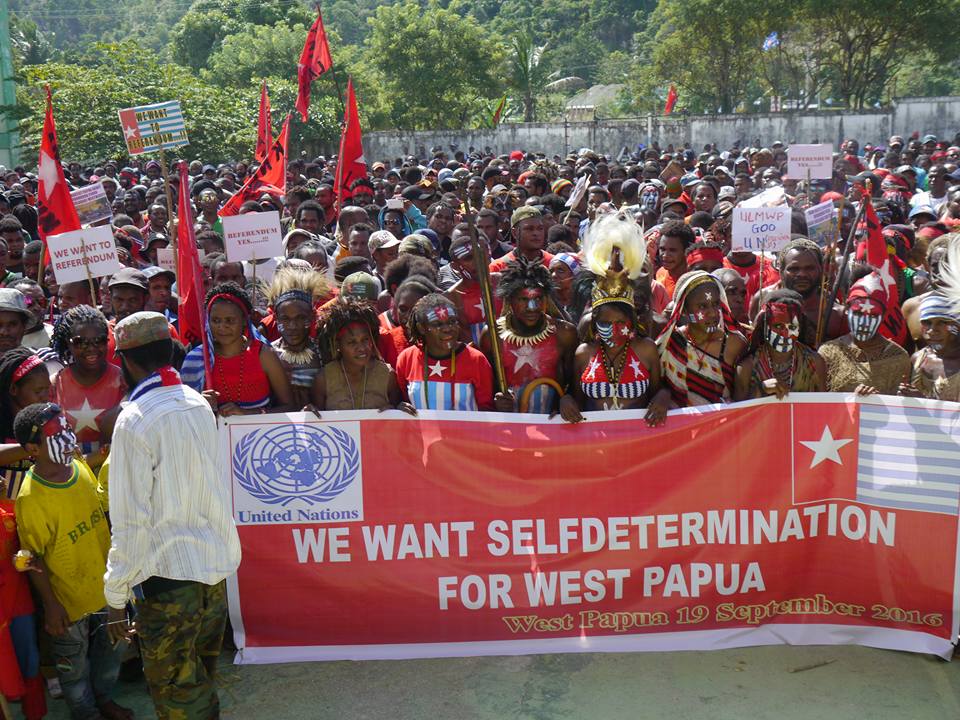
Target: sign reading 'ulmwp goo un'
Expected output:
[296,473]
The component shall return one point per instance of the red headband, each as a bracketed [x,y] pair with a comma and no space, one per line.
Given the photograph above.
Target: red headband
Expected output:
[355,323]
[229,298]
[699,254]
[25,367]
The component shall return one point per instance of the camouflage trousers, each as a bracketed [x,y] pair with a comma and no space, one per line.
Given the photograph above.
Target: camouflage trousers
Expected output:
[180,633]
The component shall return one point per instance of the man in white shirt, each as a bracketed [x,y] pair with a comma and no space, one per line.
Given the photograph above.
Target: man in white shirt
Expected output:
[936,196]
[174,539]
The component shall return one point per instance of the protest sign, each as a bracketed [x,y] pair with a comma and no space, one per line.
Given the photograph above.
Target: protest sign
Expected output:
[456,534]
[817,160]
[167,259]
[252,236]
[92,204]
[149,128]
[822,223]
[83,254]
[773,197]
[765,228]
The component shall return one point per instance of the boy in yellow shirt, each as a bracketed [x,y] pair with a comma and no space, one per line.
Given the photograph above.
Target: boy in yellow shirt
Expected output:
[59,519]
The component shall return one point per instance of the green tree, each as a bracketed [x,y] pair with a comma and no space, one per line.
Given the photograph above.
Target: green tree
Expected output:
[526,71]
[427,67]
[261,51]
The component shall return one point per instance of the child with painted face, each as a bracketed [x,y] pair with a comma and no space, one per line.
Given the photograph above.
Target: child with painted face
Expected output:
[60,521]
[777,362]
[863,361]
[935,368]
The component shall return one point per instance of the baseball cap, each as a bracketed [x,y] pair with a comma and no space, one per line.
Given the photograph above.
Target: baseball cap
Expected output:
[12,300]
[153,271]
[415,192]
[128,276]
[140,328]
[382,240]
[360,286]
[922,210]
[524,212]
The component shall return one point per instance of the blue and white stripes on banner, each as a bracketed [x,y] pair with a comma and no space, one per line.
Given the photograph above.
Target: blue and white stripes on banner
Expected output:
[909,458]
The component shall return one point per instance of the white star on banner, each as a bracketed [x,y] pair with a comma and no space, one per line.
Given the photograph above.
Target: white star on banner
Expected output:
[826,448]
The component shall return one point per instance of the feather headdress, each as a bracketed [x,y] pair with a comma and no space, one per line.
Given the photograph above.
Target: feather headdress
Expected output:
[615,252]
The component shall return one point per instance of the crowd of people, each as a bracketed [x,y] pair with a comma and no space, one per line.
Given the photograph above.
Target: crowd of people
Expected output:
[462,282]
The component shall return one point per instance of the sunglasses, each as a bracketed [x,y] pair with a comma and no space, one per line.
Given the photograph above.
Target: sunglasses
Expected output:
[82,342]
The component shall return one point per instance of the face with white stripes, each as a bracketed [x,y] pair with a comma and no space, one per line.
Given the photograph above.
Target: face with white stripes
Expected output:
[864,315]
[59,439]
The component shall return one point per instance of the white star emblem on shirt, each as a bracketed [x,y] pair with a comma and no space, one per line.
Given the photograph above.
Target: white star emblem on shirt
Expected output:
[635,366]
[826,448]
[527,355]
[86,416]
[436,369]
[48,174]
[592,369]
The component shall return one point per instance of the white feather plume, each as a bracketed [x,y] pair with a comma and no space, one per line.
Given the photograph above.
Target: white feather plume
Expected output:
[949,274]
[615,230]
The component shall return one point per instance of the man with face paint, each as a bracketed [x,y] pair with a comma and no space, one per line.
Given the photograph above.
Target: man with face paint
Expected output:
[61,522]
[863,361]
[438,372]
[778,363]
[701,344]
[935,369]
[464,293]
[533,344]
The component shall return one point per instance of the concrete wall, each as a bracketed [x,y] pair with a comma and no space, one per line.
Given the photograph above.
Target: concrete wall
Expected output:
[937,115]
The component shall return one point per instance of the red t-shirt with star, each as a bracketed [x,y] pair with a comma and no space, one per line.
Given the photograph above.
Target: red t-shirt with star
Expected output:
[85,405]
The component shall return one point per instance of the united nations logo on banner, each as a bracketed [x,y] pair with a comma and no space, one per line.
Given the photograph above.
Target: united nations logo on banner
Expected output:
[281,464]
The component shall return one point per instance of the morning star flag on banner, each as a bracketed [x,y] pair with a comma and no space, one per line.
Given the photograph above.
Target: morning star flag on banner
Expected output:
[149,128]
[821,519]
[56,213]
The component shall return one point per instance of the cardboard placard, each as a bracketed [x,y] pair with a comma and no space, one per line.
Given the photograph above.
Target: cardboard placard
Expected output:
[149,128]
[772,197]
[92,204]
[73,253]
[756,229]
[817,159]
[167,259]
[822,223]
[253,236]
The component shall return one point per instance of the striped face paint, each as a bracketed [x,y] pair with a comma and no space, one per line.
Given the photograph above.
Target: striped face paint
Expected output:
[864,317]
[60,438]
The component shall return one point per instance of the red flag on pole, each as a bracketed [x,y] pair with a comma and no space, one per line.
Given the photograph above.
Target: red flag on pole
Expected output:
[350,161]
[189,274]
[498,113]
[671,100]
[315,60]
[56,213]
[270,177]
[264,128]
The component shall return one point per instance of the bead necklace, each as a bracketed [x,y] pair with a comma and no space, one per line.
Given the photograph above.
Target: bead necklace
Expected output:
[363,388]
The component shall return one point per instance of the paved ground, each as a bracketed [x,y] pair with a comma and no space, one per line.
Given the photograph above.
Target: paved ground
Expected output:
[834,683]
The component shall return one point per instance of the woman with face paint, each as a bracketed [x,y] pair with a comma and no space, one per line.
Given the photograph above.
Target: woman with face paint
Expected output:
[617,368]
[863,361]
[292,294]
[701,343]
[935,368]
[777,362]
[24,380]
[438,371]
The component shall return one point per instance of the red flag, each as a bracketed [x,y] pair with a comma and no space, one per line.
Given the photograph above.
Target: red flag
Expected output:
[189,274]
[315,60]
[270,177]
[671,100]
[499,111]
[264,129]
[350,162]
[54,204]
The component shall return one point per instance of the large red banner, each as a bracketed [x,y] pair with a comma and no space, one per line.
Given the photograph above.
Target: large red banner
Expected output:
[819,520]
